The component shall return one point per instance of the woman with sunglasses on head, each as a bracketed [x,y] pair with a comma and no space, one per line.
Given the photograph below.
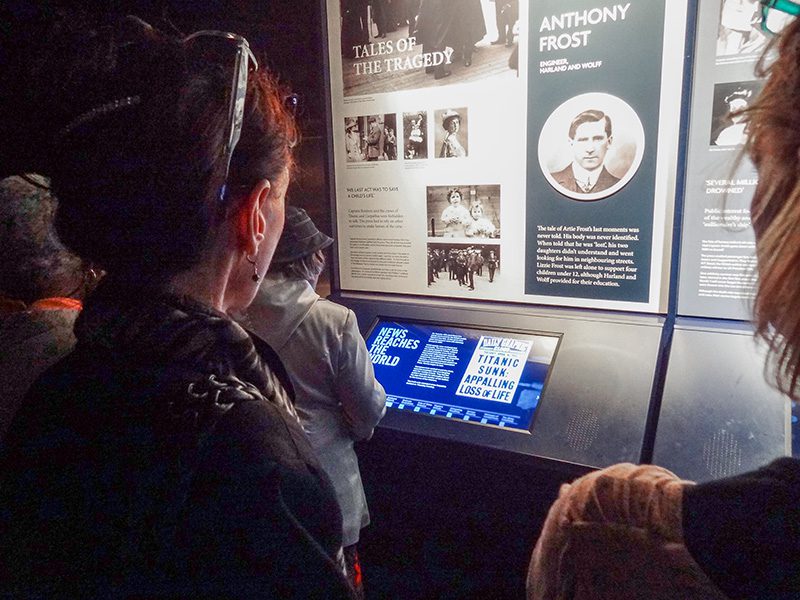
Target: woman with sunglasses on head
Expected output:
[640,532]
[163,456]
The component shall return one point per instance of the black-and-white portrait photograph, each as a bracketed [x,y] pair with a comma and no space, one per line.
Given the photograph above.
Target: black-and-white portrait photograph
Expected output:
[467,211]
[462,268]
[591,146]
[451,137]
[727,120]
[415,135]
[390,45]
[371,138]
[740,28]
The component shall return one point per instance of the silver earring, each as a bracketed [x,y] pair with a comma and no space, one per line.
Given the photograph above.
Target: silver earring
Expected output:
[256,277]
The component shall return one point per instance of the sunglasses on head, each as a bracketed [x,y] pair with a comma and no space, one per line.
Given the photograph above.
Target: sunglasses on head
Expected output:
[243,58]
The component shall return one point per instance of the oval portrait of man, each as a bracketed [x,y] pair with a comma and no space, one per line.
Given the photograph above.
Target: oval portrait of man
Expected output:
[591,146]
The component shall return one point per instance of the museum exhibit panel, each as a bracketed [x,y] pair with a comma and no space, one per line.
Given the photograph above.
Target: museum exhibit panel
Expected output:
[718,416]
[564,173]
[559,176]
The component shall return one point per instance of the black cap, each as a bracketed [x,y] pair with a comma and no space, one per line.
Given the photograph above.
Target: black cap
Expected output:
[300,237]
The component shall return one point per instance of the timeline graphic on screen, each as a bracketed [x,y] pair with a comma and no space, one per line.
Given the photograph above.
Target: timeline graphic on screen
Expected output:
[462,373]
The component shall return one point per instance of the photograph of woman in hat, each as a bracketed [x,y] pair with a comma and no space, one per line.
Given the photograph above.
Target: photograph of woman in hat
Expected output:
[339,401]
[352,141]
[454,126]
[730,100]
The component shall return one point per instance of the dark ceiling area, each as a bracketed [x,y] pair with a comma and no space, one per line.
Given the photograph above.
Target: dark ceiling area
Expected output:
[286,35]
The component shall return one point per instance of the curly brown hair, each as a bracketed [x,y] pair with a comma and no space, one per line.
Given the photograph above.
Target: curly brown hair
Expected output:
[773,125]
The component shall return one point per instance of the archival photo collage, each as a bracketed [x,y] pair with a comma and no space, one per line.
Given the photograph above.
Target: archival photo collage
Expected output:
[429,93]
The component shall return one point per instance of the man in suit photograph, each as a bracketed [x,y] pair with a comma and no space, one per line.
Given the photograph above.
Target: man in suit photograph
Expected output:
[375,140]
[590,138]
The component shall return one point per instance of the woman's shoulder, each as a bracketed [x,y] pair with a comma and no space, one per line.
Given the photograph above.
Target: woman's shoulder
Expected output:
[782,474]
[257,429]
[249,470]
[774,487]
[330,314]
[744,532]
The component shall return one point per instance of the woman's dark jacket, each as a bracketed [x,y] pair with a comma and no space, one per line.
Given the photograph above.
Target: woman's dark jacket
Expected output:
[162,457]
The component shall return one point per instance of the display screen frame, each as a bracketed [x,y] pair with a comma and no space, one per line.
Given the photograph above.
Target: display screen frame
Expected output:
[469,331]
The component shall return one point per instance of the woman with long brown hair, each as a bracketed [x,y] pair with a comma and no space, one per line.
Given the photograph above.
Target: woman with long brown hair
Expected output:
[163,456]
[640,532]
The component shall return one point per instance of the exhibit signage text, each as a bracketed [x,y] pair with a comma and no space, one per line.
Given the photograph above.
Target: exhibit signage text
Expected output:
[572,20]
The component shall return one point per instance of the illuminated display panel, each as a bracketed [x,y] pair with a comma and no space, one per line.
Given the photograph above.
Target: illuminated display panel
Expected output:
[467,374]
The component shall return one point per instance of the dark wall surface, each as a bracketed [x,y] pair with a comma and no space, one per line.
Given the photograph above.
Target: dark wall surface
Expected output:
[286,37]
[449,520]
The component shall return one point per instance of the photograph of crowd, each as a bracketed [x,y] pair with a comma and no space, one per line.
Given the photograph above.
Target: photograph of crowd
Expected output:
[727,120]
[415,135]
[371,138]
[467,211]
[451,138]
[740,28]
[454,268]
[390,45]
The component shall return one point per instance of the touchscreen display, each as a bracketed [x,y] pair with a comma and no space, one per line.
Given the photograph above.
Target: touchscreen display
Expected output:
[468,374]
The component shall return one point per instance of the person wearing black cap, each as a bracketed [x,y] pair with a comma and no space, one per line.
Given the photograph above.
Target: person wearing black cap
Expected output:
[337,396]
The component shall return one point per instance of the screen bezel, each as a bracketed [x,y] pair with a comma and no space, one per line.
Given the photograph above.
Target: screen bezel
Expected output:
[381,318]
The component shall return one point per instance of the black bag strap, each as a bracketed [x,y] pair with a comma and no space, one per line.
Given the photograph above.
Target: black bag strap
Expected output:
[194,405]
